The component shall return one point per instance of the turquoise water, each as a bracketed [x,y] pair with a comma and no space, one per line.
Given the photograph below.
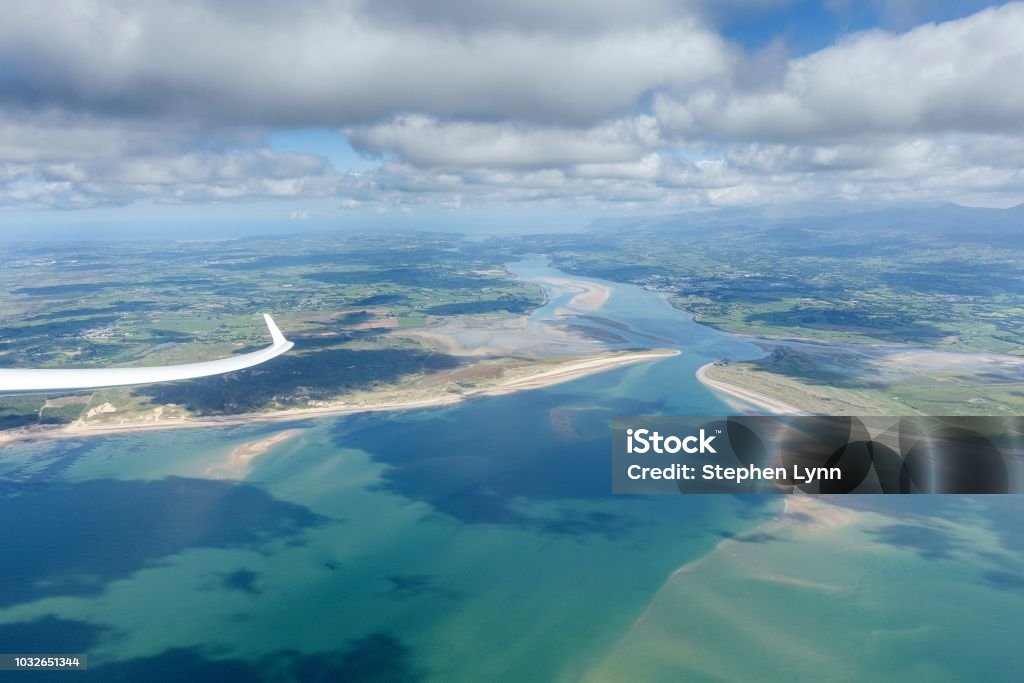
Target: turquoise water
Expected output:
[475,542]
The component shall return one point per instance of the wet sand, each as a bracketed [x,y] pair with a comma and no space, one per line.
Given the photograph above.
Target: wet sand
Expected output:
[591,295]
[240,460]
[745,396]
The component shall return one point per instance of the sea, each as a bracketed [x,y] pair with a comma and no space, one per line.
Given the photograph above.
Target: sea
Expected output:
[478,542]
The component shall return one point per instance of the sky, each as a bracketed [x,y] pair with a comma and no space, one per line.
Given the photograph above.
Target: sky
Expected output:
[533,113]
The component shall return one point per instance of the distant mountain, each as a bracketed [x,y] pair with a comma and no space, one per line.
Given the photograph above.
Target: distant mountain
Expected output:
[941,219]
[946,219]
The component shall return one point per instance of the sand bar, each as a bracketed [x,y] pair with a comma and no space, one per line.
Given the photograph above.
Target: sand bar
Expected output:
[744,395]
[240,460]
[591,295]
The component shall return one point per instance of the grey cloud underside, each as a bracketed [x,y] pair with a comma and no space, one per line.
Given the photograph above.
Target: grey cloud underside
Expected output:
[336,63]
[42,381]
[598,102]
[328,63]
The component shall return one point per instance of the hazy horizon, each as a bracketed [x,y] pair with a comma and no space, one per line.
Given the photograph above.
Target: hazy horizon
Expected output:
[216,119]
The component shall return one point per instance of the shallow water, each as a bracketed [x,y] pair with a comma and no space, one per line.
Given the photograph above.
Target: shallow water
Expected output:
[478,541]
[481,542]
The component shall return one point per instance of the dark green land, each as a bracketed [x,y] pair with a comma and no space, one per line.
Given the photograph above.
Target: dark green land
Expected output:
[92,304]
[865,286]
[938,278]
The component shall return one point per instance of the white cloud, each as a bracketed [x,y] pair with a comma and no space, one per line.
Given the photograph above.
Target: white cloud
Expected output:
[331,63]
[57,161]
[959,76]
[425,141]
[596,103]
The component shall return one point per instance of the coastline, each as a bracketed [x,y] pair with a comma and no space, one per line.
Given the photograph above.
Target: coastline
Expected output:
[744,395]
[566,372]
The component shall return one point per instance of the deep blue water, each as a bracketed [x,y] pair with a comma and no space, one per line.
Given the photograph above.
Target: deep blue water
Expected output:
[479,541]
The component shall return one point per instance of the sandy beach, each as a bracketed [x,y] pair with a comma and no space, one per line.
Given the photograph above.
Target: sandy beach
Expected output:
[240,460]
[745,396]
[574,370]
[591,295]
[564,372]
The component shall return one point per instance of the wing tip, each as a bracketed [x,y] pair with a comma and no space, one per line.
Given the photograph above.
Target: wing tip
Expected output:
[275,332]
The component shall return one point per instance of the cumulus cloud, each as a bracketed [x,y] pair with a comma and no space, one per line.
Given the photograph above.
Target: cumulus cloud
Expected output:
[331,63]
[591,103]
[426,141]
[56,160]
[960,76]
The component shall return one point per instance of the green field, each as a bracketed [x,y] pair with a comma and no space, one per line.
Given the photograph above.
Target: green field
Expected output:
[864,282]
[955,289]
[92,304]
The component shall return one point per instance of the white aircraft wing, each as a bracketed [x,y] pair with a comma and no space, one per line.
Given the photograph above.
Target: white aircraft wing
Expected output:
[44,381]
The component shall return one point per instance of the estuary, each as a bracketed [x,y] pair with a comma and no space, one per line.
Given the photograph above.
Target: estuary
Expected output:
[477,541]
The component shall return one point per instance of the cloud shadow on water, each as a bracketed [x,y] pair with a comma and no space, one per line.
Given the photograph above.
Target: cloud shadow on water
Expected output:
[377,657]
[48,635]
[74,539]
[751,537]
[410,586]
[243,580]
[928,542]
[492,475]
[501,461]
